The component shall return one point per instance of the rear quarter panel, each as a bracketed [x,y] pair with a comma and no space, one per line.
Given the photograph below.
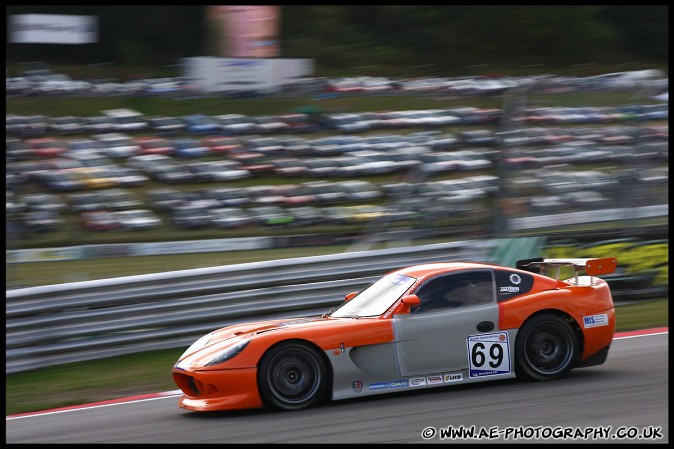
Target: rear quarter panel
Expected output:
[578,302]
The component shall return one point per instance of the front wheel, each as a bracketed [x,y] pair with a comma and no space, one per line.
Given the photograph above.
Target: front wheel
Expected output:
[292,376]
[546,348]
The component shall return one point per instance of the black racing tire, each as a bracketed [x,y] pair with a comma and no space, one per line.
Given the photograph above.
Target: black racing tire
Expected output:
[546,348]
[292,376]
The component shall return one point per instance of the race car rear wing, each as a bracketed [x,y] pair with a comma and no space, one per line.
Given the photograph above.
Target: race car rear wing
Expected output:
[592,267]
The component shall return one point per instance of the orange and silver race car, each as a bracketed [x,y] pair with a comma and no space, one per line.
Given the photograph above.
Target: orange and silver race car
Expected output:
[424,326]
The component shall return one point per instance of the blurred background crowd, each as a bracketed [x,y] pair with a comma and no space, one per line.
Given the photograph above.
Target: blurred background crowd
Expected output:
[443,122]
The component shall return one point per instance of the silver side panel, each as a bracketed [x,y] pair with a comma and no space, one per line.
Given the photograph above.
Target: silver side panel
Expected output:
[397,366]
[436,341]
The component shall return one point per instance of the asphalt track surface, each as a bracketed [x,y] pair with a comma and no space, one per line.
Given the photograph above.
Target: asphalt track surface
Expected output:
[627,396]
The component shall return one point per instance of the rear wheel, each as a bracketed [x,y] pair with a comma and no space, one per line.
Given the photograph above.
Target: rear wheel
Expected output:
[292,376]
[546,348]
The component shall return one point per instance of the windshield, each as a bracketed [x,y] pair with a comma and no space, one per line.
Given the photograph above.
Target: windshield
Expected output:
[375,299]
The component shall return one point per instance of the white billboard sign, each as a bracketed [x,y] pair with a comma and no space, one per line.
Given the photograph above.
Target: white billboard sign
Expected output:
[53,29]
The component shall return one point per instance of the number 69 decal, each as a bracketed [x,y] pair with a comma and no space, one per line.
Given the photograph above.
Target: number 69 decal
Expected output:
[489,354]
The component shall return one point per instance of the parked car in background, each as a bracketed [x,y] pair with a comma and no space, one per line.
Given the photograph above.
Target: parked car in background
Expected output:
[358,190]
[165,125]
[326,192]
[44,202]
[137,219]
[147,161]
[155,145]
[188,216]
[98,124]
[236,124]
[16,150]
[230,218]
[297,122]
[322,167]
[43,221]
[89,145]
[478,137]
[289,167]
[100,220]
[306,215]
[85,201]
[271,216]
[295,146]
[161,86]
[222,144]
[67,125]
[127,176]
[46,146]
[118,145]
[29,126]
[201,124]
[63,163]
[94,178]
[171,173]
[165,198]
[253,161]
[13,204]
[269,124]
[91,159]
[126,120]
[346,122]
[119,199]
[189,148]
[266,145]
[58,180]
[218,171]
[295,195]
[230,196]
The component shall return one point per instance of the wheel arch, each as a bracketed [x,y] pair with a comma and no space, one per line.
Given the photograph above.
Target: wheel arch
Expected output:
[575,326]
[328,365]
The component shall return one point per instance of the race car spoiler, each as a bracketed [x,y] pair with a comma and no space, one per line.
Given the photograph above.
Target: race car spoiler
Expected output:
[592,267]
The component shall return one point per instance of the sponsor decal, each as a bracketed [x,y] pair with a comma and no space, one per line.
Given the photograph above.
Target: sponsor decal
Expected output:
[595,320]
[392,384]
[515,278]
[456,377]
[488,354]
[417,381]
[357,386]
[434,380]
[509,289]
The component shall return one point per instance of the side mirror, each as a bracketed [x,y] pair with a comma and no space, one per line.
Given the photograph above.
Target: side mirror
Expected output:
[407,302]
[350,296]
[411,300]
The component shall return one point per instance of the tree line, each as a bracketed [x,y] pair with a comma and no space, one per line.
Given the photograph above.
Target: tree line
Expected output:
[347,36]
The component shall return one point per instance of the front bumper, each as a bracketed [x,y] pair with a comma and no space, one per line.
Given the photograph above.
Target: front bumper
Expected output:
[230,389]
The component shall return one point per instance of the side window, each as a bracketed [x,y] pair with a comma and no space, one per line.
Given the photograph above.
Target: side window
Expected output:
[456,290]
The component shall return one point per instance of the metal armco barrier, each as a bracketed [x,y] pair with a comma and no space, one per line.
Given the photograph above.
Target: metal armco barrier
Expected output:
[56,324]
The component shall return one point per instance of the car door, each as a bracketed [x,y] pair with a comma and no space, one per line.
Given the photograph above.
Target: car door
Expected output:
[454,328]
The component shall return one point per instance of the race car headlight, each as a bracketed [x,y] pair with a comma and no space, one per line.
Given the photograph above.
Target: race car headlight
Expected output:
[229,353]
[203,341]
